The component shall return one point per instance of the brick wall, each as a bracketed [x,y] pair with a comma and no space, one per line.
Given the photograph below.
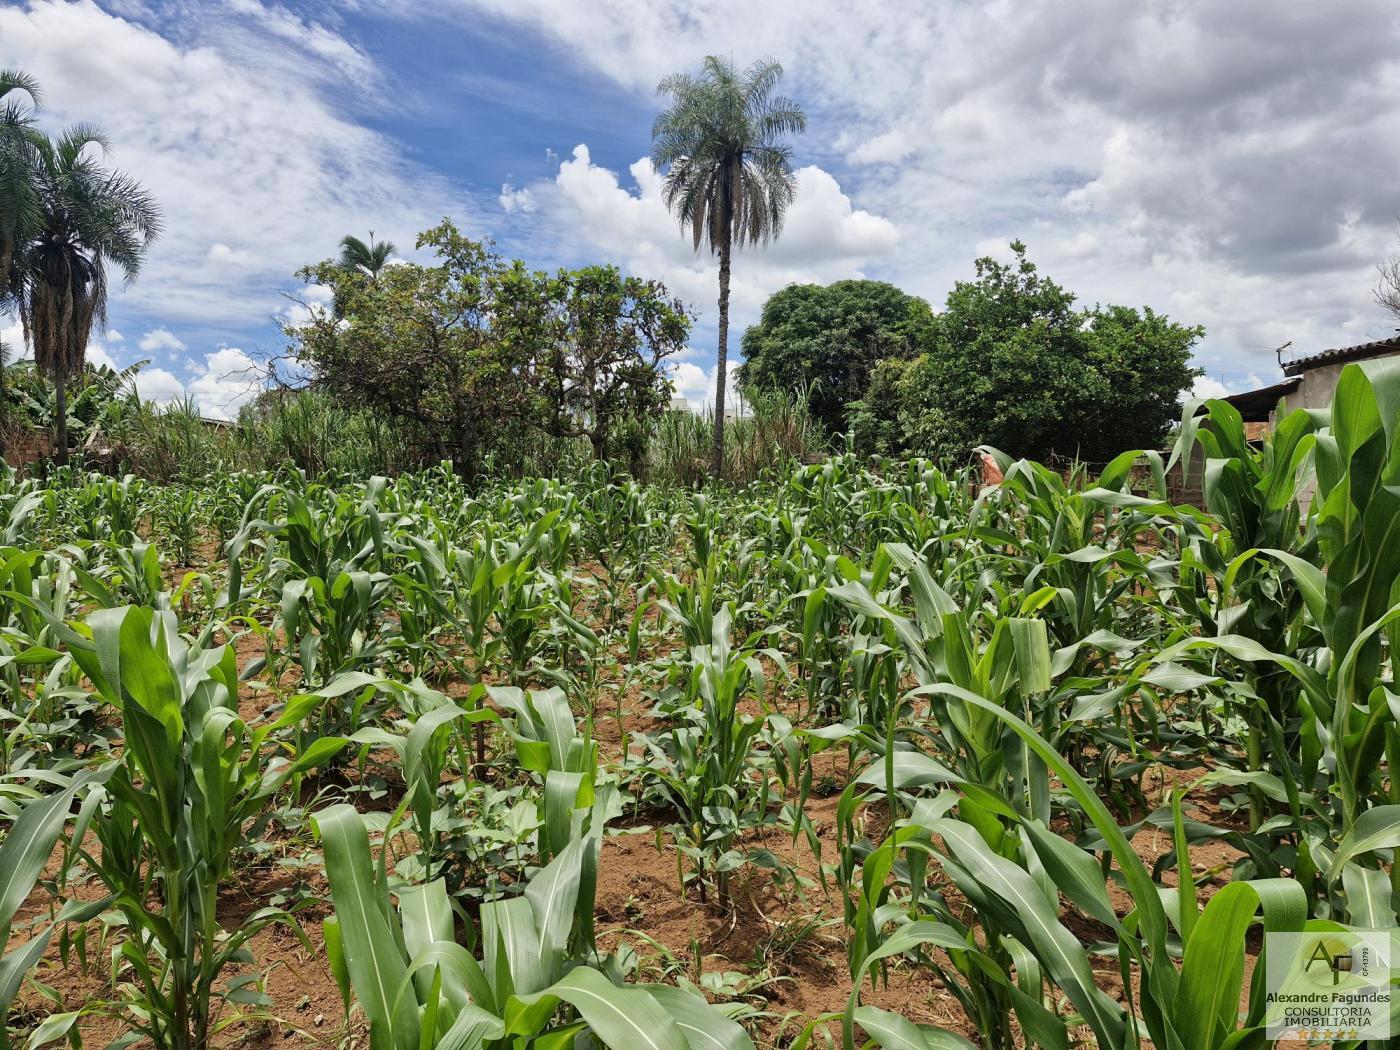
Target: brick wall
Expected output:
[26,447]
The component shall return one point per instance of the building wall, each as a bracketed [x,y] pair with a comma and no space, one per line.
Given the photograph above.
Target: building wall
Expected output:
[27,447]
[1319,384]
[1316,391]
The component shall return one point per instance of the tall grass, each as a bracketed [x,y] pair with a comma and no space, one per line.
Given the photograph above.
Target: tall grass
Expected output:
[313,433]
[777,429]
[309,432]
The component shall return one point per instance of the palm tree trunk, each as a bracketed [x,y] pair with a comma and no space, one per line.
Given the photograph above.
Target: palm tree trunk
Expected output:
[722,363]
[61,419]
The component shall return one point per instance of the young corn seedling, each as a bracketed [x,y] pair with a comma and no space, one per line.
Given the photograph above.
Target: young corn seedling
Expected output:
[704,764]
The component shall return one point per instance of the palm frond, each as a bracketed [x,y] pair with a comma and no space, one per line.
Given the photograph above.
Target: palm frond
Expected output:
[727,172]
[12,80]
[84,218]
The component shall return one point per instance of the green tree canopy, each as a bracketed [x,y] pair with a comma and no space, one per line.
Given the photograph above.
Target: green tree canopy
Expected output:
[415,343]
[1014,364]
[602,356]
[471,350]
[826,340]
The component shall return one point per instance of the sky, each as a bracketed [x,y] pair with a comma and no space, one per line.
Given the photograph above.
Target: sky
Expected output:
[1232,165]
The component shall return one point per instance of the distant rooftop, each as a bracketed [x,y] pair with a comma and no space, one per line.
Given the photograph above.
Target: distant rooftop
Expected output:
[1257,404]
[1343,354]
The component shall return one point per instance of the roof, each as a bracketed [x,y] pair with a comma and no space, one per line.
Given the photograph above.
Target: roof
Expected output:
[1343,354]
[1255,405]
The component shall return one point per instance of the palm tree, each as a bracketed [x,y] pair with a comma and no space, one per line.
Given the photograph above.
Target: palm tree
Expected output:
[368,259]
[728,172]
[89,217]
[19,206]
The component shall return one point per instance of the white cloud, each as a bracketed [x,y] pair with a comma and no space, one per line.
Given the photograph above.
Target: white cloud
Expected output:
[158,339]
[222,383]
[516,200]
[889,148]
[308,302]
[13,338]
[309,37]
[697,385]
[98,356]
[236,125]
[158,385]
[222,253]
[825,238]
[228,379]
[1209,387]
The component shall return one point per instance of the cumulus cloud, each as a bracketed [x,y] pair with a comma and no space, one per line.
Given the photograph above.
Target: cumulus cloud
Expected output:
[234,117]
[516,200]
[219,385]
[1232,164]
[221,253]
[159,385]
[697,386]
[825,237]
[1208,386]
[158,339]
[227,380]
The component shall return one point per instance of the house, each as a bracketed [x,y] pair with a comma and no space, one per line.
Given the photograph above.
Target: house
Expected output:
[1309,382]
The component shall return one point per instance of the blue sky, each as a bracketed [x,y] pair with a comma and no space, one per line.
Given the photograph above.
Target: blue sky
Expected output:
[1230,165]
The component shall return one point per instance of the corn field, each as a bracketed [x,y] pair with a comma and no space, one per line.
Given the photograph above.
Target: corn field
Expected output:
[862,755]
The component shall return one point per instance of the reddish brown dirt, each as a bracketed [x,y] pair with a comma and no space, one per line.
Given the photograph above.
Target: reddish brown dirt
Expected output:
[787,941]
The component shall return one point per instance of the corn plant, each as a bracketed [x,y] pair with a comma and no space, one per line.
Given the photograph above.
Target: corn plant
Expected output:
[538,981]
[24,853]
[703,764]
[1014,885]
[190,779]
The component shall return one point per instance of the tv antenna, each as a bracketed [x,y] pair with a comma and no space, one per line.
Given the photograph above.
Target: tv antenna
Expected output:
[1278,352]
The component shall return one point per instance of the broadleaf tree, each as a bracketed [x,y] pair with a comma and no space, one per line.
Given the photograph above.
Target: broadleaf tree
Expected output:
[415,343]
[824,341]
[472,349]
[1014,363]
[596,343]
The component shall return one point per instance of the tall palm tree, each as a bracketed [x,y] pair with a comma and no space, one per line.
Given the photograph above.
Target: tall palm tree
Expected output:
[368,259]
[19,199]
[19,206]
[728,172]
[90,217]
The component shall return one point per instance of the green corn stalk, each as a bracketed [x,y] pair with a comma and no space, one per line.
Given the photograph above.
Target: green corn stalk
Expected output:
[191,778]
[23,856]
[419,988]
